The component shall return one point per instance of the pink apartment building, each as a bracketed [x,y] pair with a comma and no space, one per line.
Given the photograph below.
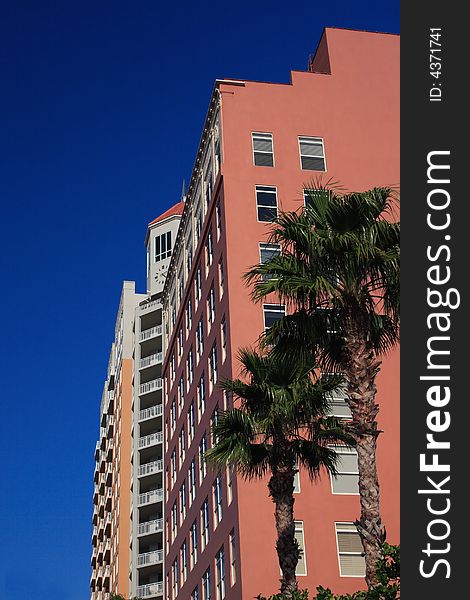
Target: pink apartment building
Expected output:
[261,147]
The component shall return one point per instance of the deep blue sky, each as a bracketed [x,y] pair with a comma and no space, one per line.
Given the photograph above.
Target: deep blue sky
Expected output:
[101,109]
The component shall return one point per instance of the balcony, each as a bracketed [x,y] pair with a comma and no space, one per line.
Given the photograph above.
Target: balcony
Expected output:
[150,386]
[151,440]
[150,306]
[150,497]
[109,499]
[148,527]
[155,466]
[151,412]
[153,359]
[148,334]
[150,590]
[150,558]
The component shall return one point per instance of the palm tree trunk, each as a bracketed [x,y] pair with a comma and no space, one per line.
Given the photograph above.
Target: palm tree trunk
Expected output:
[361,370]
[281,490]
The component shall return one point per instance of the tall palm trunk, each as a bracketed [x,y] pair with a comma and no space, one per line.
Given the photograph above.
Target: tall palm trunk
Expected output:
[361,370]
[281,490]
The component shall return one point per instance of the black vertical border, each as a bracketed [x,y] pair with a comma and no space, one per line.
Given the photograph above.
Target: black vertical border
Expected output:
[425,127]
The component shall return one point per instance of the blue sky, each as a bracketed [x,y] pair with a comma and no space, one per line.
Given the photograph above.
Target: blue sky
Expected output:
[102,105]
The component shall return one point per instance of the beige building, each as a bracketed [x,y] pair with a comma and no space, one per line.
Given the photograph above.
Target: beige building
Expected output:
[127,538]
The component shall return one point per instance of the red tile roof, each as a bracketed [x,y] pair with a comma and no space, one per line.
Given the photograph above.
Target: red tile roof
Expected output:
[176,209]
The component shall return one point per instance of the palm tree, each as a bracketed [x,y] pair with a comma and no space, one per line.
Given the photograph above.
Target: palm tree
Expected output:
[279,423]
[339,270]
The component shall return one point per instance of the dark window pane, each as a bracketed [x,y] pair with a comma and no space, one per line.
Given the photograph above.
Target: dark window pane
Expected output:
[264,160]
[266,214]
[311,163]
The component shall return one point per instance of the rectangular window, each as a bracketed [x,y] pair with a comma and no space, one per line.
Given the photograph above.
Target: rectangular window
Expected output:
[202,458]
[346,480]
[200,339]
[174,414]
[221,277]
[229,484]
[181,387]
[266,253]
[163,246]
[198,284]
[201,396]
[193,539]
[272,313]
[312,154]
[189,316]
[180,342]
[205,524]
[308,194]
[182,445]
[218,218]
[190,366]
[211,306]
[183,502]
[209,249]
[213,365]
[192,481]
[297,479]
[233,558]
[198,227]
[195,594]
[175,576]
[223,338]
[184,562]
[174,467]
[217,500]
[266,203]
[174,521]
[206,585]
[350,550]
[263,153]
[191,422]
[208,183]
[189,258]
[337,403]
[214,421]
[172,368]
[299,536]
[220,574]
[180,286]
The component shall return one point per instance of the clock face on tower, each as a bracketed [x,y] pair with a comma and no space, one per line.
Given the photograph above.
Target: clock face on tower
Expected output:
[160,274]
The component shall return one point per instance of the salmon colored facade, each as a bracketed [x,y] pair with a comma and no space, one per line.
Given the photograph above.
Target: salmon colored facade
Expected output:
[343,114]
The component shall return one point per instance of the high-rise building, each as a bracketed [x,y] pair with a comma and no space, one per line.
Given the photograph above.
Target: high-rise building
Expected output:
[127,540]
[165,523]
[263,146]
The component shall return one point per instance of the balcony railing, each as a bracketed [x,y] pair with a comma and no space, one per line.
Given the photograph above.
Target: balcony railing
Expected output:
[148,334]
[150,386]
[148,306]
[150,558]
[151,440]
[153,359]
[151,589]
[155,466]
[150,527]
[151,412]
[150,497]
